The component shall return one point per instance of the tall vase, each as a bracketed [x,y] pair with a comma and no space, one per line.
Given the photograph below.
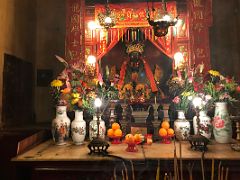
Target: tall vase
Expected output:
[182,127]
[222,125]
[78,128]
[61,126]
[205,124]
[93,128]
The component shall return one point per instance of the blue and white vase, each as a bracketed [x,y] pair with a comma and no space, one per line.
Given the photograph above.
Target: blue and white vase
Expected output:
[61,126]
[78,128]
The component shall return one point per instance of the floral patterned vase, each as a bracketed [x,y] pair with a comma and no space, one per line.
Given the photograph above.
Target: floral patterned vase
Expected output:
[182,127]
[61,126]
[93,128]
[78,128]
[222,125]
[205,124]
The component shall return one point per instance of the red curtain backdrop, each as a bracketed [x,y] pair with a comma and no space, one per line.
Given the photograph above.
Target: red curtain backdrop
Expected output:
[75,30]
[200,19]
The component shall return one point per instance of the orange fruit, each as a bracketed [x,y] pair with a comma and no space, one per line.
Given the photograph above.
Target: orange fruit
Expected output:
[118,133]
[170,131]
[162,132]
[128,136]
[165,125]
[115,126]
[137,137]
[110,132]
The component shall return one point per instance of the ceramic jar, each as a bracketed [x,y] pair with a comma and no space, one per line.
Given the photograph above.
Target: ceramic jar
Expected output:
[78,128]
[222,125]
[181,127]
[61,126]
[205,124]
[93,128]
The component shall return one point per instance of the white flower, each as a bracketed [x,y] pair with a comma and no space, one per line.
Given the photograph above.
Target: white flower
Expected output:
[208,97]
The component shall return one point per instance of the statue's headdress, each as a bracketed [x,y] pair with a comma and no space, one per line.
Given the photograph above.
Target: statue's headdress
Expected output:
[135,47]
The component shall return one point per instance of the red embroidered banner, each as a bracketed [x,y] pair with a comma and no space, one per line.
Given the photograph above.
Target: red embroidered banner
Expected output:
[200,20]
[75,50]
[135,14]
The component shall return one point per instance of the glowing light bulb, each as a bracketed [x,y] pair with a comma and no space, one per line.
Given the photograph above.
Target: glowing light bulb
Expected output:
[178,59]
[166,18]
[92,25]
[108,20]
[91,60]
[98,102]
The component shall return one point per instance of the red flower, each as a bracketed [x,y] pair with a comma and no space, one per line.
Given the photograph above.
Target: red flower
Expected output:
[198,87]
[218,87]
[238,89]
[218,122]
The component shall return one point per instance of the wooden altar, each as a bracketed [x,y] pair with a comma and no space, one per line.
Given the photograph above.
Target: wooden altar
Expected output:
[47,160]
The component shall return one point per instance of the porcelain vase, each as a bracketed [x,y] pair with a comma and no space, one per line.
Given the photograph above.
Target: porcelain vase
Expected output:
[93,128]
[60,126]
[222,125]
[181,127]
[205,124]
[78,128]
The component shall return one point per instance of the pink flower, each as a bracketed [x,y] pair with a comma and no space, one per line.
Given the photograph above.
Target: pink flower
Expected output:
[218,122]
[176,100]
[224,96]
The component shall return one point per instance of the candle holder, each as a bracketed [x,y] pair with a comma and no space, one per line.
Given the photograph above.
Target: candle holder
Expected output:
[98,145]
[198,142]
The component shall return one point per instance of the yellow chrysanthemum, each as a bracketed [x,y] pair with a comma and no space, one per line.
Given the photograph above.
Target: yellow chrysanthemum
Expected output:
[56,83]
[75,101]
[139,87]
[214,73]
[75,95]
[186,94]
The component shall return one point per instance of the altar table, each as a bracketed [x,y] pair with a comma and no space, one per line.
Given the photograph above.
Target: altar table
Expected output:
[48,160]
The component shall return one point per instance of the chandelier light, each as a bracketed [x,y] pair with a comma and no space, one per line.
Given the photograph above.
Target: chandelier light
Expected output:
[160,26]
[107,19]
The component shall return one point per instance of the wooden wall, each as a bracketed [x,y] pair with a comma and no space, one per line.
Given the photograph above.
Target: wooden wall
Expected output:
[17,34]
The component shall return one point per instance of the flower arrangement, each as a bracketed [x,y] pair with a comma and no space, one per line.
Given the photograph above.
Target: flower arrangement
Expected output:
[57,87]
[220,88]
[191,82]
[74,88]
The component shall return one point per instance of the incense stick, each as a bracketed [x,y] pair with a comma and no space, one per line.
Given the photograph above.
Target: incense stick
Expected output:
[202,166]
[219,170]
[226,176]
[133,174]
[222,172]
[158,171]
[212,171]
[181,166]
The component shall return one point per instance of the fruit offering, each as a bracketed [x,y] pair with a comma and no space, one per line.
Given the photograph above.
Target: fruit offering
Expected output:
[115,133]
[166,132]
[132,141]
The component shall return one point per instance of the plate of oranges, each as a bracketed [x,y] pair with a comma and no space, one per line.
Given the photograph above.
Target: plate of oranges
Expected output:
[166,132]
[133,140]
[115,133]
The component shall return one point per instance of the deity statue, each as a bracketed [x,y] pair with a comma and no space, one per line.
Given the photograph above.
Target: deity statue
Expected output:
[135,70]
